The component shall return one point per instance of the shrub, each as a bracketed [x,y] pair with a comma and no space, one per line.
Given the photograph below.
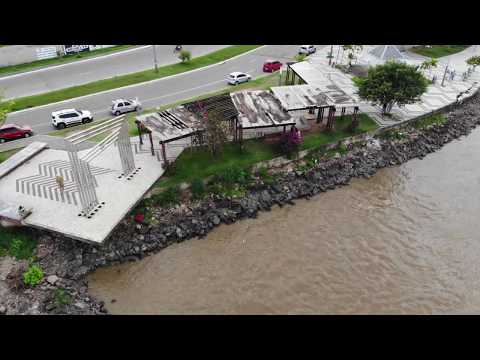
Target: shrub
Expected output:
[198,189]
[62,298]
[169,196]
[289,143]
[265,176]
[33,276]
[16,243]
[233,175]
[185,55]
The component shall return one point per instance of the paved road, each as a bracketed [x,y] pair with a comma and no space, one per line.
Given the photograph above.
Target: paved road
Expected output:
[159,92]
[88,70]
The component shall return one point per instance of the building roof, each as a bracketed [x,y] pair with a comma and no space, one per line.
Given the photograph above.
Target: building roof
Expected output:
[167,125]
[387,52]
[301,97]
[260,109]
[222,103]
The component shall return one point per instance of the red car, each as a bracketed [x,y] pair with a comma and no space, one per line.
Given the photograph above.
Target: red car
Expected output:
[272,65]
[12,132]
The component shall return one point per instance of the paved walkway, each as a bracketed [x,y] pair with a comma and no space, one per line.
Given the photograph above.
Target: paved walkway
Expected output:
[53,142]
[436,96]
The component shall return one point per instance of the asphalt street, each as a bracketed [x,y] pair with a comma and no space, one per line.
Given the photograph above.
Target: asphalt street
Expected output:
[84,71]
[159,92]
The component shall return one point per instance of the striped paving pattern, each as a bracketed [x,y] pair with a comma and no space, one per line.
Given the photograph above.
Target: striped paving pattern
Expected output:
[143,149]
[44,184]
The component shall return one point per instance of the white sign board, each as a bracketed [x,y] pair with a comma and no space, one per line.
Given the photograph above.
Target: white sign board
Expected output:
[46,53]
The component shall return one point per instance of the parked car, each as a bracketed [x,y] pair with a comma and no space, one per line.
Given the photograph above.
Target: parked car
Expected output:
[272,65]
[307,49]
[236,78]
[121,106]
[68,117]
[13,131]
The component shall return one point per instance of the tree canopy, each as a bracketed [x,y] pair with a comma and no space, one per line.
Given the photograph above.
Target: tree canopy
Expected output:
[5,108]
[392,83]
[474,61]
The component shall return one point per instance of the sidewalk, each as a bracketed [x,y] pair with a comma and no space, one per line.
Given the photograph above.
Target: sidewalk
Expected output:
[435,98]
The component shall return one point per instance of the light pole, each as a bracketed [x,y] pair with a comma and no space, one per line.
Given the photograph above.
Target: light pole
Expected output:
[154,47]
[445,74]
[330,56]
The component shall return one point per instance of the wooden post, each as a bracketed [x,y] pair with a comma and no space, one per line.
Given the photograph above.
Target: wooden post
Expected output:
[235,132]
[320,114]
[284,129]
[139,131]
[288,75]
[331,118]
[240,136]
[164,155]
[151,142]
[343,112]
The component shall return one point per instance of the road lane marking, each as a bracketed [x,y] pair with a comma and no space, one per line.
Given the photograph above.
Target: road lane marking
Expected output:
[73,63]
[135,85]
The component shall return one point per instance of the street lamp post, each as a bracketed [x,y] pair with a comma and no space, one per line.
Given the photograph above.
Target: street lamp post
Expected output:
[155,57]
[445,74]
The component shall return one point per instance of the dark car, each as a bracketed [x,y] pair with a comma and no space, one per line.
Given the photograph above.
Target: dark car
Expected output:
[272,65]
[12,132]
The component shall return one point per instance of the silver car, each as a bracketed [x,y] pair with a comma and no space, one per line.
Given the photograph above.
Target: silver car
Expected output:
[236,78]
[122,106]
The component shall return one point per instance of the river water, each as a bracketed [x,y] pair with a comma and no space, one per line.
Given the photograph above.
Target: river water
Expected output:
[405,241]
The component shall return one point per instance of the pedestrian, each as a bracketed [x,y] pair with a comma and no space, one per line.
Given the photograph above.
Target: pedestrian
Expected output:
[60,182]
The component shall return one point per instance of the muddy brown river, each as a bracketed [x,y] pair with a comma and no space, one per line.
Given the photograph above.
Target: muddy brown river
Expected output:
[406,241]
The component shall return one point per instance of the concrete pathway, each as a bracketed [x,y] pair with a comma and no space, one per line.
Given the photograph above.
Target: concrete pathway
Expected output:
[436,97]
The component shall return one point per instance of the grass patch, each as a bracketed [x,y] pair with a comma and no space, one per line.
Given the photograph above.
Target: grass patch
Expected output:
[437,51]
[431,120]
[14,69]
[6,154]
[16,243]
[129,79]
[312,141]
[198,163]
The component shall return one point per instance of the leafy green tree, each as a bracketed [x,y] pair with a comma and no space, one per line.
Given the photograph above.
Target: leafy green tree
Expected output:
[473,61]
[427,65]
[185,55]
[392,83]
[5,108]
[217,130]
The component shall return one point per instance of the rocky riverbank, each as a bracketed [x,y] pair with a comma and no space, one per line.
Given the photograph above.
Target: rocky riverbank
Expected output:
[67,262]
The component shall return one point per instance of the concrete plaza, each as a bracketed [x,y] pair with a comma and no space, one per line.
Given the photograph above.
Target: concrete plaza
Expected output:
[436,97]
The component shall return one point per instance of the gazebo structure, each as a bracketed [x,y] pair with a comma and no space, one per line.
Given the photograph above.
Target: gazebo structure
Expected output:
[259,110]
[312,97]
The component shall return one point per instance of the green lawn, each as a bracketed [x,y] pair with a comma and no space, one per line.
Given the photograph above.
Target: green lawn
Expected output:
[312,141]
[6,154]
[437,51]
[129,79]
[13,69]
[198,163]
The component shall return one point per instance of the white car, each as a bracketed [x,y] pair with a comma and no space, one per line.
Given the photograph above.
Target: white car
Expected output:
[236,78]
[63,118]
[307,49]
[121,106]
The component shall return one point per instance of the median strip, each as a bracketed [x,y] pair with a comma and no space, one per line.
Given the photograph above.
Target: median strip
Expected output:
[66,59]
[130,79]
